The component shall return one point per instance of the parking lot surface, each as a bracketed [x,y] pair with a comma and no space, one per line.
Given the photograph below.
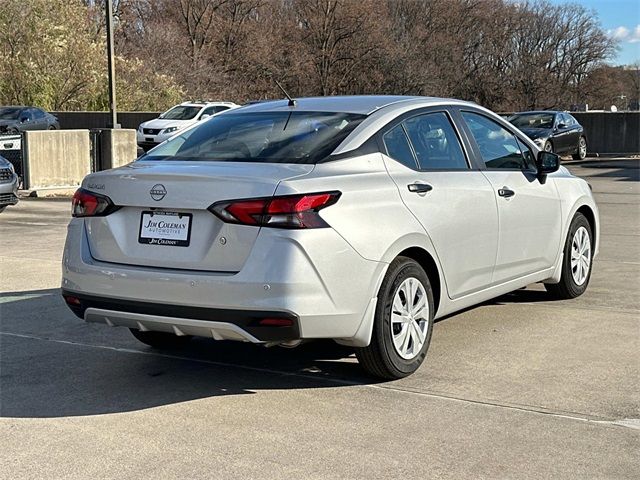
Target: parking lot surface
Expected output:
[520,387]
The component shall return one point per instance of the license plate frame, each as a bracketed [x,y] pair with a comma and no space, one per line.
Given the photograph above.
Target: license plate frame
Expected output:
[162,236]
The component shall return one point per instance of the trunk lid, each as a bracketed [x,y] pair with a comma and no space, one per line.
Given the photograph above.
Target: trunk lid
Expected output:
[178,193]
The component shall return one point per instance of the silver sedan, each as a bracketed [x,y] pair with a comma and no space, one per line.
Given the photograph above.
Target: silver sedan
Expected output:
[360,219]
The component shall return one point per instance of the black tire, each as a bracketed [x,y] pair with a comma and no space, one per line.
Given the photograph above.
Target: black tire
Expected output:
[581,153]
[567,287]
[2,209]
[548,146]
[161,340]
[380,358]
[52,127]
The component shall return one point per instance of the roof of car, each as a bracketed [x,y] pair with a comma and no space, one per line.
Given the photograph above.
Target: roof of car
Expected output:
[359,104]
[198,103]
[538,111]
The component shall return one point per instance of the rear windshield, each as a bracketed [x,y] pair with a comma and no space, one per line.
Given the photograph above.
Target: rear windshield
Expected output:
[269,137]
[9,113]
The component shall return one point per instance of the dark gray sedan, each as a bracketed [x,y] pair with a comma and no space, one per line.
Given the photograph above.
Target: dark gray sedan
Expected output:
[15,119]
[557,132]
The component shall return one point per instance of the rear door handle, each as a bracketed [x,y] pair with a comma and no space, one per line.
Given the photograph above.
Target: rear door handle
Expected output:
[506,192]
[419,187]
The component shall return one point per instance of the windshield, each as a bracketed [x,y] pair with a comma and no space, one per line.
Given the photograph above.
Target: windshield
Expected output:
[181,112]
[533,120]
[9,113]
[270,137]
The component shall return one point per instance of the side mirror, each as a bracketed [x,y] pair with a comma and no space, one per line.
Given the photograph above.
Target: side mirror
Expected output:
[24,119]
[547,162]
[562,126]
[204,116]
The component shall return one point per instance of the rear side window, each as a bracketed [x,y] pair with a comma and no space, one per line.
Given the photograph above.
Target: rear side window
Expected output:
[435,142]
[498,147]
[266,137]
[398,148]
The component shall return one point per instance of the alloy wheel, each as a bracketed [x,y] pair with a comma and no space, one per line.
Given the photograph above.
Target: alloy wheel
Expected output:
[580,255]
[582,147]
[409,318]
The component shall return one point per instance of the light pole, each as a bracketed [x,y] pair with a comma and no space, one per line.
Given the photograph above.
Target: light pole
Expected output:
[113,122]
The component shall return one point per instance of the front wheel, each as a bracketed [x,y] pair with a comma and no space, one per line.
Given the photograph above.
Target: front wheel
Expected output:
[577,261]
[581,152]
[161,340]
[548,146]
[403,322]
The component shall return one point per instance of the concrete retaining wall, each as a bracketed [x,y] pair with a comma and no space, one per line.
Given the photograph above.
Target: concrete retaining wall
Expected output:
[56,158]
[116,148]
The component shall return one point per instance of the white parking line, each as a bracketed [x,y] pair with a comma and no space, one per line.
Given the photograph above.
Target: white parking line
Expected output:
[626,422]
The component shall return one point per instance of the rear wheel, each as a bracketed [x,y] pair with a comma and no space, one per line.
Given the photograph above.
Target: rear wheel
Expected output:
[161,340]
[577,261]
[403,322]
[581,152]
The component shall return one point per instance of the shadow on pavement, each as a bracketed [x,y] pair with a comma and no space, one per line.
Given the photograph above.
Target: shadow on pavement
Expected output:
[54,365]
[621,170]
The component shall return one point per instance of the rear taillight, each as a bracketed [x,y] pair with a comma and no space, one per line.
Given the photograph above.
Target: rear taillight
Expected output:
[89,204]
[290,211]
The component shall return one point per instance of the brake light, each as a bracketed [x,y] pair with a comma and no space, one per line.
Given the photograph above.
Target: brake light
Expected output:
[290,211]
[90,204]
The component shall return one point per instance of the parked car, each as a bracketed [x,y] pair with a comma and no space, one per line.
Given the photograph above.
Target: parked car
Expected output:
[156,131]
[8,184]
[17,119]
[359,219]
[557,132]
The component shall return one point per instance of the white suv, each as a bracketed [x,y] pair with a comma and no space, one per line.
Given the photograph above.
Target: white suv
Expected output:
[360,219]
[154,132]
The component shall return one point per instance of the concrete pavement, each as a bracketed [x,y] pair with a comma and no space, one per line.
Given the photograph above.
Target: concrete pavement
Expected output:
[520,387]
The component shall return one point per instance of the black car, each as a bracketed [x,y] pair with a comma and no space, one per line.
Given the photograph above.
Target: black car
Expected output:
[557,132]
[17,119]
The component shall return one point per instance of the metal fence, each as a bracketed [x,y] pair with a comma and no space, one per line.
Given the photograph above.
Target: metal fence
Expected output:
[11,149]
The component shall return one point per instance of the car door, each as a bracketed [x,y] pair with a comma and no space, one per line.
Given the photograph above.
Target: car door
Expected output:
[452,199]
[528,209]
[25,120]
[562,134]
[573,132]
[40,119]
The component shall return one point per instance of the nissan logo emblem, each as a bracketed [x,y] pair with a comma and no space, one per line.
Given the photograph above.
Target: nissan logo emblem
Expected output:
[158,192]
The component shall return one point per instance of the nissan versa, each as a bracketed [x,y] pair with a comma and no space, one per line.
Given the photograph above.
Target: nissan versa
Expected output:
[360,219]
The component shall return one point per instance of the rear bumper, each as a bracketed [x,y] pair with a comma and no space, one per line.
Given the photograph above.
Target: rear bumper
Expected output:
[314,277]
[221,324]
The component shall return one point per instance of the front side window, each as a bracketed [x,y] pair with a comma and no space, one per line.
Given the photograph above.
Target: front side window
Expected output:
[435,142]
[498,147]
[213,110]
[268,137]
[398,148]
[529,157]
[181,112]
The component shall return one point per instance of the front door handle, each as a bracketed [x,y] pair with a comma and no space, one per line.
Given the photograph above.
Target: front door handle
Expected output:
[419,187]
[506,192]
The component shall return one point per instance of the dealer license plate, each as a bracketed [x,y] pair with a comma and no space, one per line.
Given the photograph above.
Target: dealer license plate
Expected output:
[165,228]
